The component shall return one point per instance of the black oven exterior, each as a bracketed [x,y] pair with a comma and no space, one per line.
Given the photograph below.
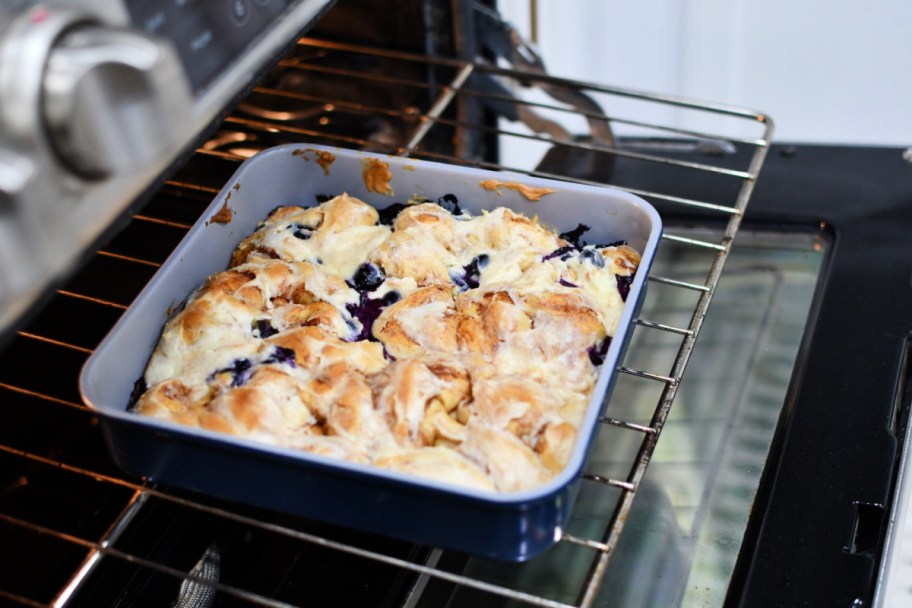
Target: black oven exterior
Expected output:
[817,528]
[817,532]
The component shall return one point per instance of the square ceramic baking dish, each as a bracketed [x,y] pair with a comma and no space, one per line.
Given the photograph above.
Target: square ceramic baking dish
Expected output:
[513,526]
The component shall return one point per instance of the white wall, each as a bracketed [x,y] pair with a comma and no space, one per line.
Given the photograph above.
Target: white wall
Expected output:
[824,70]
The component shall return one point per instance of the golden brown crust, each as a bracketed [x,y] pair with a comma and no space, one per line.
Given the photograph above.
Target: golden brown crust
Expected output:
[425,320]
[408,253]
[314,347]
[531,193]
[453,349]
[223,215]
[377,176]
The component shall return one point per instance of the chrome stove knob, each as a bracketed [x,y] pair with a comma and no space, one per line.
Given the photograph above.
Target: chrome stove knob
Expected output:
[114,100]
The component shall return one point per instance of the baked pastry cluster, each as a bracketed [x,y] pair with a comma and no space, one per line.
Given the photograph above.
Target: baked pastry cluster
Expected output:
[431,342]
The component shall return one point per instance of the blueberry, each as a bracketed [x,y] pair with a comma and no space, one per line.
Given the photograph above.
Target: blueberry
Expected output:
[472,276]
[262,328]
[450,203]
[614,244]
[239,370]
[598,351]
[368,277]
[281,355]
[389,214]
[566,283]
[592,256]
[367,311]
[459,280]
[139,387]
[561,252]
[623,284]
[573,236]
[300,231]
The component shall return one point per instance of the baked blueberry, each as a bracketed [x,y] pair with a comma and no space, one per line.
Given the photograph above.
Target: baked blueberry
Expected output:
[598,351]
[564,253]
[368,277]
[281,354]
[574,236]
[450,203]
[623,284]
[459,280]
[567,283]
[388,215]
[472,276]
[592,255]
[301,231]
[367,311]
[262,328]
[139,387]
[239,370]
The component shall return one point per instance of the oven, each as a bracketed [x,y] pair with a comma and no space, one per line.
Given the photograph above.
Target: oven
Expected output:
[752,452]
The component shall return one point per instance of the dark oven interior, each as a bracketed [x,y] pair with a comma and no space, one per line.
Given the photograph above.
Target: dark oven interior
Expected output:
[449,81]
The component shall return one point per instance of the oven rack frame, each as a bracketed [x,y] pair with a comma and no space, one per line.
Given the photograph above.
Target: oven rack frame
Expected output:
[729,213]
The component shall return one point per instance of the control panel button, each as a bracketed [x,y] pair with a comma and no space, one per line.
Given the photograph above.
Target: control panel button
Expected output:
[240,11]
[115,100]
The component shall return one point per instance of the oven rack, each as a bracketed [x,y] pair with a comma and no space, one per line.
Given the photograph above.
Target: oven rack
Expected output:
[654,145]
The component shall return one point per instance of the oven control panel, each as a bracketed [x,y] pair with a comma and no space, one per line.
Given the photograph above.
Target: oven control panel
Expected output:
[206,35]
[97,99]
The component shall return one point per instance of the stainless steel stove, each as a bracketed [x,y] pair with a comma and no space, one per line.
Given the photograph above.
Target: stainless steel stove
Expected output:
[736,462]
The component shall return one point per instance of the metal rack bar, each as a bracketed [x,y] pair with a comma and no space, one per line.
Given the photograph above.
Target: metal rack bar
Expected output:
[86,298]
[664,327]
[106,549]
[628,425]
[614,150]
[677,283]
[127,258]
[694,242]
[38,338]
[427,121]
[588,593]
[95,553]
[608,481]
[615,119]
[49,398]
[18,599]
[649,375]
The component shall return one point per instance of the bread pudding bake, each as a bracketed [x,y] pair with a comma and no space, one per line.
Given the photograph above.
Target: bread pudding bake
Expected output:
[419,339]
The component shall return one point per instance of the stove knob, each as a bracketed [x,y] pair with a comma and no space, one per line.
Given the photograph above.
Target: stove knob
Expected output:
[115,100]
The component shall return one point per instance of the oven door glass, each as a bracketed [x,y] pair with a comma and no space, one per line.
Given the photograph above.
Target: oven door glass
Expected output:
[689,516]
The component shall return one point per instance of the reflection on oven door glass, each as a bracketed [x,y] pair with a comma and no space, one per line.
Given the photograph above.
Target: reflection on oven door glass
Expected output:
[687,522]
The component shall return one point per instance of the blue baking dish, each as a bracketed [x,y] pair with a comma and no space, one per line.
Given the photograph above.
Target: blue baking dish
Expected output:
[511,526]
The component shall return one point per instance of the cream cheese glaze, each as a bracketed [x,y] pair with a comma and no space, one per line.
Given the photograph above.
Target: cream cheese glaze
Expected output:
[453,347]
